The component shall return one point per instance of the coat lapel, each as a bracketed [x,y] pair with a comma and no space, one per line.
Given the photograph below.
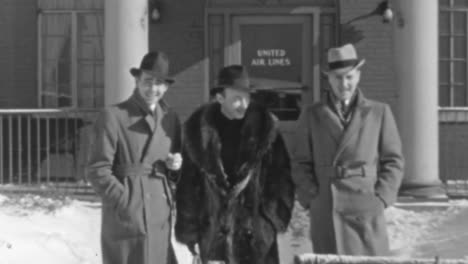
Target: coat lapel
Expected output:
[149,119]
[357,121]
[147,116]
[331,122]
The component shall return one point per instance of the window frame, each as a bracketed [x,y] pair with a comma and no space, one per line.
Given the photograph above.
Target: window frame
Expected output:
[316,13]
[73,50]
[451,59]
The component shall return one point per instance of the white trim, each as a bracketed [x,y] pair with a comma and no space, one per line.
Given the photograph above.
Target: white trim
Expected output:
[39,60]
[298,10]
[448,109]
[74,59]
[72,10]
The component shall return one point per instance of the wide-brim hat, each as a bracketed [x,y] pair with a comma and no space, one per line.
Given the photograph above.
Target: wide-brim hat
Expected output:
[156,64]
[232,77]
[342,60]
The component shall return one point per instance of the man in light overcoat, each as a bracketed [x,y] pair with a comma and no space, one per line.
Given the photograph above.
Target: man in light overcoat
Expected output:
[348,163]
[135,152]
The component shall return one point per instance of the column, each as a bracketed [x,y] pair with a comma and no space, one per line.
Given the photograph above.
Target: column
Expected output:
[416,66]
[126,42]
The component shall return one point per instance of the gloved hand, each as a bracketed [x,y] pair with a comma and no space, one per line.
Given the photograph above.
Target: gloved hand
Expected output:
[174,161]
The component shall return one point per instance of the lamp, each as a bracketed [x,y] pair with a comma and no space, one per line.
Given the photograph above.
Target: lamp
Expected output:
[383,9]
[155,10]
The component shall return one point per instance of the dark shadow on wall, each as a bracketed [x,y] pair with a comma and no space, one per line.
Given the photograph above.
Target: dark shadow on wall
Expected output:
[350,34]
[179,32]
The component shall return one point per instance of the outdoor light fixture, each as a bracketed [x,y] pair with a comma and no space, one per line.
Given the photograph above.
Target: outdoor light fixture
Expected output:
[154,10]
[383,10]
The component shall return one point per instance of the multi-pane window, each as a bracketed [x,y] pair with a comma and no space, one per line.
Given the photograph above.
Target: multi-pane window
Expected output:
[453,50]
[71,64]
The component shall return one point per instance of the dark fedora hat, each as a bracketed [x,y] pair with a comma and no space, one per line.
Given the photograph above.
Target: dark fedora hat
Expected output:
[342,60]
[156,64]
[232,77]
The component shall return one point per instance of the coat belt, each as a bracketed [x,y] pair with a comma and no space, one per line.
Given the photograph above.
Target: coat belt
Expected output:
[342,172]
[156,169]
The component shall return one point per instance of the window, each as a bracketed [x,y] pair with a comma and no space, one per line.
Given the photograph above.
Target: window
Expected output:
[453,33]
[71,58]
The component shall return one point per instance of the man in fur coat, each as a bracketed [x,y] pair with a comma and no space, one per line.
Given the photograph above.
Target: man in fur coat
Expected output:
[236,193]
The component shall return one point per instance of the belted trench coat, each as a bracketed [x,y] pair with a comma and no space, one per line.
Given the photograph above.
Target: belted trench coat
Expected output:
[127,169]
[347,176]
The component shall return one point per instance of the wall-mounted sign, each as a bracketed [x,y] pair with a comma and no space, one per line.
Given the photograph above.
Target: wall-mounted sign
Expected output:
[271,58]
[272,51]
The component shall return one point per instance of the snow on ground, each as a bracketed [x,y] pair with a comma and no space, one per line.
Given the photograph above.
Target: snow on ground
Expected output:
[58,230]
[36,229]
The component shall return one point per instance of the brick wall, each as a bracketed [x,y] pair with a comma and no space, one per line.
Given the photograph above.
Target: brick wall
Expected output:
[18,51]
[453,138]
[6,50]
[181,34]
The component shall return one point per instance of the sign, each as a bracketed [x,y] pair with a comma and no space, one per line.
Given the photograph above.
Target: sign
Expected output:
[271,58]
[272,51]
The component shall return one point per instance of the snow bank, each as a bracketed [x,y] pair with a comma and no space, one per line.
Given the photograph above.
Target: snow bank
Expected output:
[58,230]
[36,229]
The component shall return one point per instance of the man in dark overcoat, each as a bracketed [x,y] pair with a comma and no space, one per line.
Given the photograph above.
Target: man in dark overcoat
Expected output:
[348,163]
[134,154]
[235,193]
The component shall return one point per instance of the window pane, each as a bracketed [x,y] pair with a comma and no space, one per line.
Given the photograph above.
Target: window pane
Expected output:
[90,81]
[444,23]
[444,95]
[460,47]
[90,36]
[460,72]
[444,47]
[444,72]
[460,3]
[90,55]
[459,95]
[444,2]
[56,60]
[459,19]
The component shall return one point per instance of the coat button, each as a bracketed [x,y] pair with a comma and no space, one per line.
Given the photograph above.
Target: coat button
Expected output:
[148,196]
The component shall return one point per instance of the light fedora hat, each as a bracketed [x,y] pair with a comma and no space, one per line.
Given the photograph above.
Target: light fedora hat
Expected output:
[342,60]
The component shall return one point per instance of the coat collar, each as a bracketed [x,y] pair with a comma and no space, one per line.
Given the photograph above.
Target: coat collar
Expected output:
[203,146]
[161,109]
[341,135]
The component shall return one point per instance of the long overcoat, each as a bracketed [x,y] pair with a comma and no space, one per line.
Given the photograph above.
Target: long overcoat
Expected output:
[236,223]
[127,170]
[346,177]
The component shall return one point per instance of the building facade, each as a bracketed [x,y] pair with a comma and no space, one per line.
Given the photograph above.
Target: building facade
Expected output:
[53,56]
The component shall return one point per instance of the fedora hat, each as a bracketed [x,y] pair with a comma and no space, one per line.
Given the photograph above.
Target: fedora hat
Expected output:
[342,60]
[156,64]
[233,77]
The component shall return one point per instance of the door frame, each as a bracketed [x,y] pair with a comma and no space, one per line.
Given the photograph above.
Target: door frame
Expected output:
[230,13]
[234,52]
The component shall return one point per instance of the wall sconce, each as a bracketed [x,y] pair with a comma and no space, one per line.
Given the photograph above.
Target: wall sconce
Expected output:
[383,9]
[155,8]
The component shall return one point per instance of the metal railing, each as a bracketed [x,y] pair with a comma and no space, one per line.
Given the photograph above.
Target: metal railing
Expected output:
[453,143]
[45,148]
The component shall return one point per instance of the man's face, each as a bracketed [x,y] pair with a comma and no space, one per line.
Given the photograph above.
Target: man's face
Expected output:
[150,88]
[344,85]
[234,103]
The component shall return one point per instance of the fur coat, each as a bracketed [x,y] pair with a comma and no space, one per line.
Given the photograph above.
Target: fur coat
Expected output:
[236,222]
